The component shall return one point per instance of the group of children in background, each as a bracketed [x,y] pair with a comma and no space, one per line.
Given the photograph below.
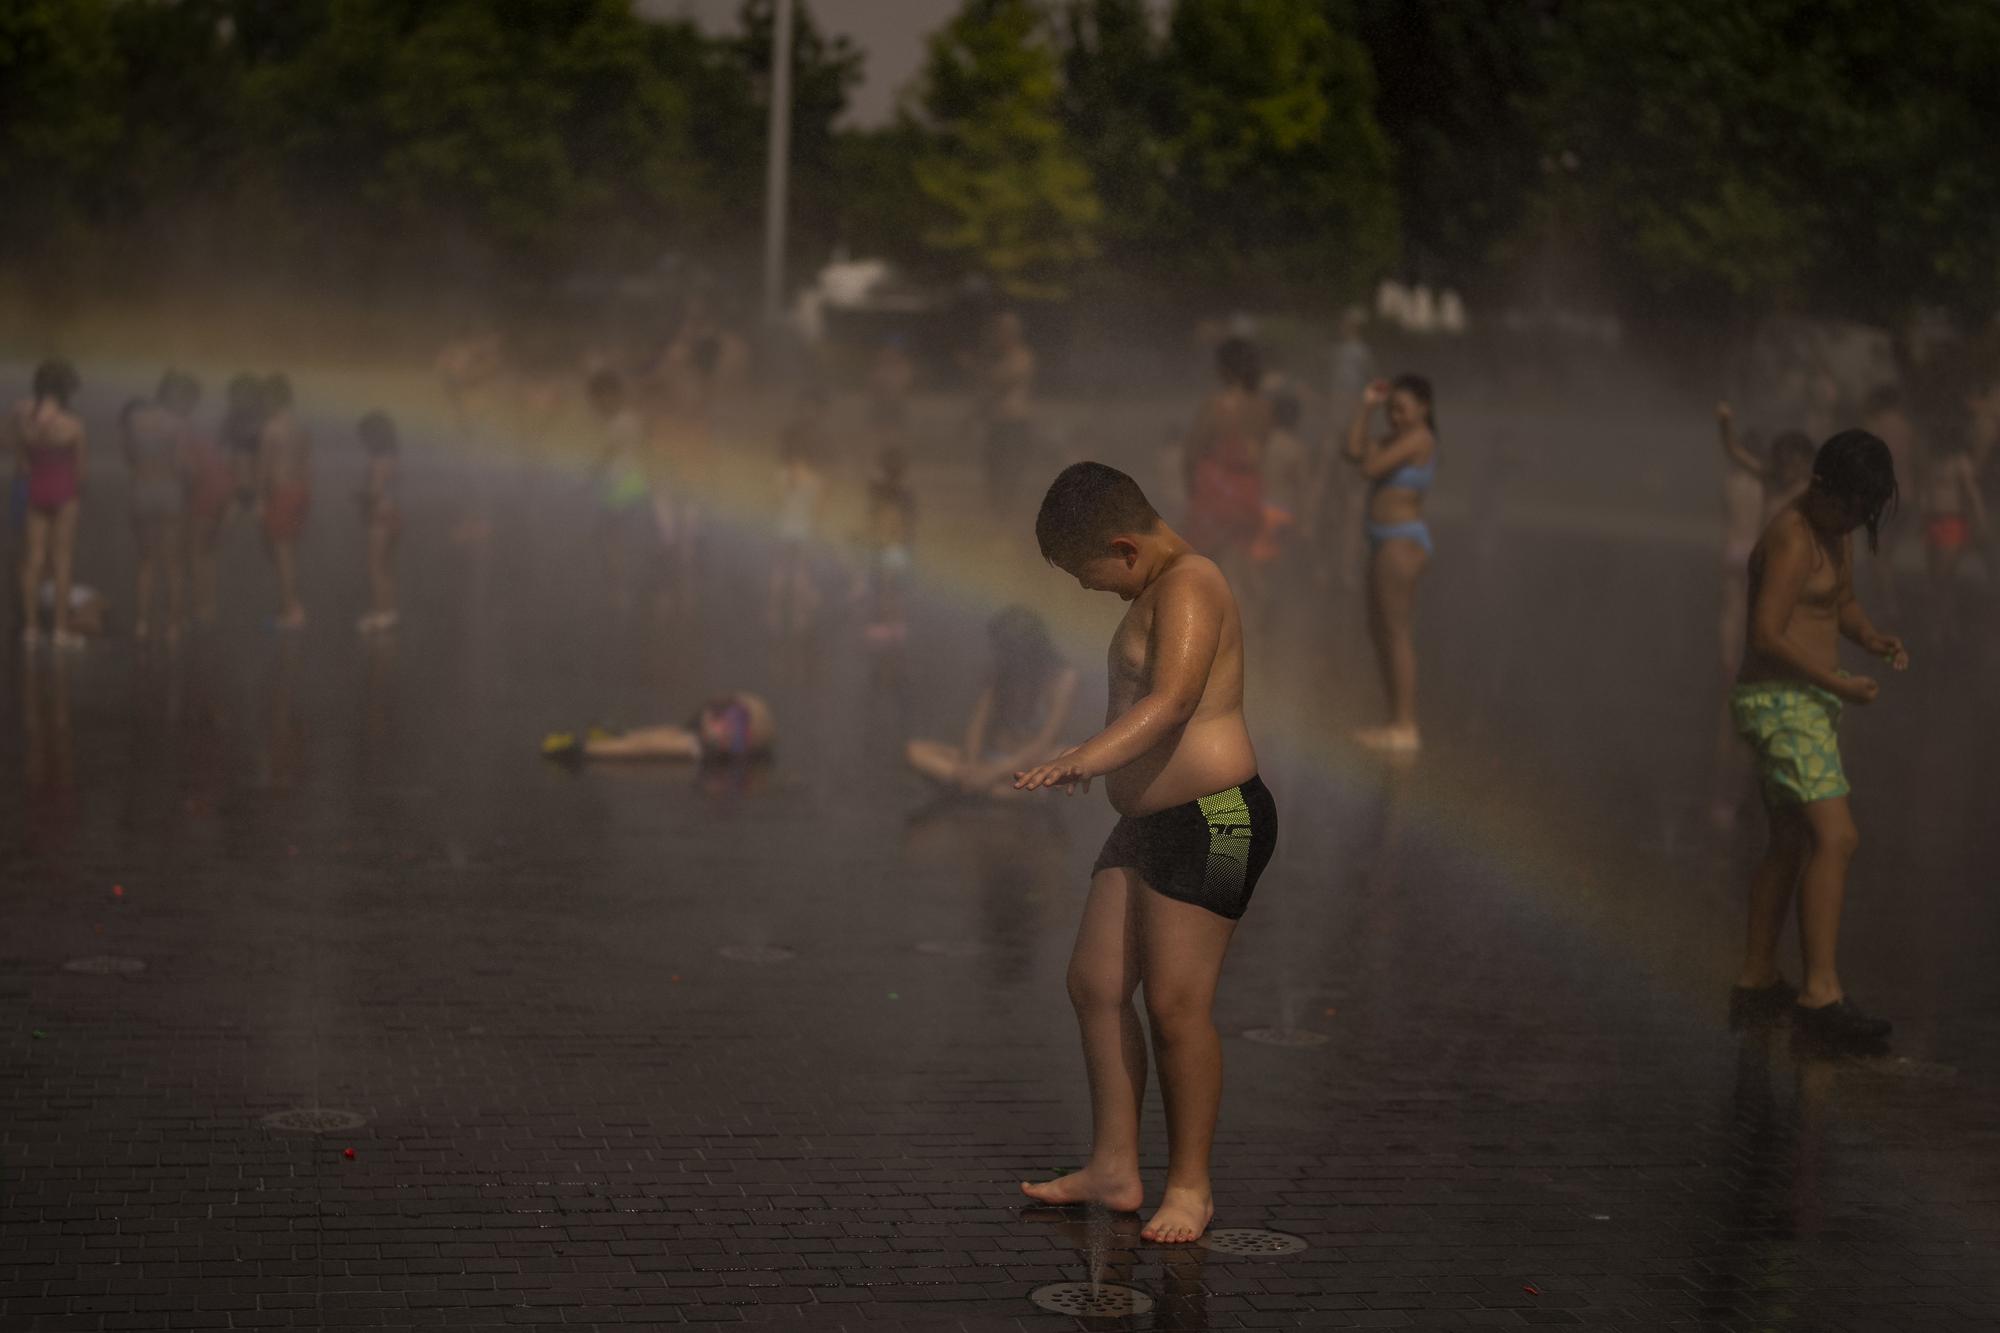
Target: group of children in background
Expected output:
[182,485]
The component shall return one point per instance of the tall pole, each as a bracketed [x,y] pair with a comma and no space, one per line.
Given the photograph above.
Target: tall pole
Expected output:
[777,167]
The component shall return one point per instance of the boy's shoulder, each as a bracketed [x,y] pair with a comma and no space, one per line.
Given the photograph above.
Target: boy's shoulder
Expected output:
[1194,574]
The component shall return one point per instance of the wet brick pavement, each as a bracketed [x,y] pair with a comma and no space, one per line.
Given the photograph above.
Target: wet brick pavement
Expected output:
[353,885]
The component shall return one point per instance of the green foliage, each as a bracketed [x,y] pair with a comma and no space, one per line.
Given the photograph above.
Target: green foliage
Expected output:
[57,59]
[1012,198]
[1740,155]
[1279,176]
[1114,111]
[524,131]
[825,71]
[1458,85]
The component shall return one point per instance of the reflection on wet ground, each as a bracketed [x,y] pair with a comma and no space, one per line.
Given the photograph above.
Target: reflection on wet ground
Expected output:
[354,886]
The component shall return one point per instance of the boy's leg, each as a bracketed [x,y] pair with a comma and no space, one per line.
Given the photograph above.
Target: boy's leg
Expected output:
[1182,950]
[1822,891]
[1771,894]
[1103,973]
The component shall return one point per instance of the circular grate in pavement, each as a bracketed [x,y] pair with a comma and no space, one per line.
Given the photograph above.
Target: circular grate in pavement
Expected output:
[106,965]
[1295,1037]
[1091,1298]
[312,1120]
[757,953]
[952,948]
[1249,1242]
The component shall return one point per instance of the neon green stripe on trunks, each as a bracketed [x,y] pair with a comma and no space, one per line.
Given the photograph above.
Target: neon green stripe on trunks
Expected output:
[1792,726]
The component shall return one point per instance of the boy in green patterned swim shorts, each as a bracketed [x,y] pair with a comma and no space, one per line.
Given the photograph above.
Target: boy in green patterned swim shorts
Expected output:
[1787,704]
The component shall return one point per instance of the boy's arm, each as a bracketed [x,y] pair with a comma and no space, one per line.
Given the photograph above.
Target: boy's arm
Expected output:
[1732,448]
[1859,630]
[1187,628]
[1787,561]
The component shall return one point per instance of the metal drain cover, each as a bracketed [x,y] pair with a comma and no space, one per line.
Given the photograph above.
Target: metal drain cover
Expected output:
[952,948]
[312,1120]
[1252,1243]
[1091,1298]
[1286,1037]
[106,965]
[757,953]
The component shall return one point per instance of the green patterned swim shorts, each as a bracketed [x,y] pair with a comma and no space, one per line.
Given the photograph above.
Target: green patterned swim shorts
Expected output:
[1792,727]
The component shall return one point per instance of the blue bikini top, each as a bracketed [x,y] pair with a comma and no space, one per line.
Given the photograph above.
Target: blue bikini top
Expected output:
[1410,477]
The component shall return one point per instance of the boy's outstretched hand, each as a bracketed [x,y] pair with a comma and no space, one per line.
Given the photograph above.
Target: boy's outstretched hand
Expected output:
[1062,771]
[1891,650]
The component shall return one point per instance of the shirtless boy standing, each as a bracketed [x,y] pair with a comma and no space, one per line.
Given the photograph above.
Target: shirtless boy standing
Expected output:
[1197,830]
[1787,704]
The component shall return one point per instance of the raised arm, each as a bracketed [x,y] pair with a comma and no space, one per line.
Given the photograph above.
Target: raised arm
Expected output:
[1186,632]
[1732,448]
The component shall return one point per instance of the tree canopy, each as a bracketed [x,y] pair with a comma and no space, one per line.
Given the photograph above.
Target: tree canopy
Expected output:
[1714,157]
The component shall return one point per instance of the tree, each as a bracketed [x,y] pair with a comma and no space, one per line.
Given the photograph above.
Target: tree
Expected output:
[1011,197]
[825,71]
[1458,85]
[58,117]
[1279,177]
[1828,156]
[529,135]
[1113,112]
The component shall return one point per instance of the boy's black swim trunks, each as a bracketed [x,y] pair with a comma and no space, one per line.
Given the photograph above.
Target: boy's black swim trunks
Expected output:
[1209,852]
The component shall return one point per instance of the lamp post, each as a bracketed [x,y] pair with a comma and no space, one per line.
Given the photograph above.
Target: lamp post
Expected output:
[777,166]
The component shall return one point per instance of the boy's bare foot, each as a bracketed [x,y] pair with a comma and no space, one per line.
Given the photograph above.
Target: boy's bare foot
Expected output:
[1118,1192]
[1182,1216]
[1396,740]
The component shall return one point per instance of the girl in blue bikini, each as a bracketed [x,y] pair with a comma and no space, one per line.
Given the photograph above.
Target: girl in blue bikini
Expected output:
[1399,468]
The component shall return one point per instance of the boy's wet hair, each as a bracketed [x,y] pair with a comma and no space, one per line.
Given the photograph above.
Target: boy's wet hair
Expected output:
[1237,361]
[378,433]
[605,387]
[1857,469]
[1285,411]
[57,379]
[1086,506]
